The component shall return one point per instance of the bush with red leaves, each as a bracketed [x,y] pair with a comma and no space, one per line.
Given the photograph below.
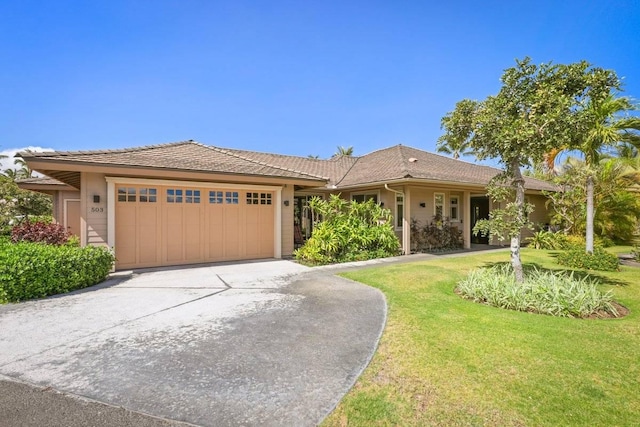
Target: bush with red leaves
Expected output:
[40,232]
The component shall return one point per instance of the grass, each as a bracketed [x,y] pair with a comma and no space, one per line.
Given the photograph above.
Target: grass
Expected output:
[443,360]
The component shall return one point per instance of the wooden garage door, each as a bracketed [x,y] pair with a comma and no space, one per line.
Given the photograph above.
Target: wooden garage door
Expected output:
[162,225]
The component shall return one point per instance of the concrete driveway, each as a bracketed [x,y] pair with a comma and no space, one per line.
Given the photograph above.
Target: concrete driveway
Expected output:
[259,343]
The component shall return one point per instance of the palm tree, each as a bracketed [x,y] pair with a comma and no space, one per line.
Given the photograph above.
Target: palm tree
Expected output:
[23,171]
[605,129]
[344,151]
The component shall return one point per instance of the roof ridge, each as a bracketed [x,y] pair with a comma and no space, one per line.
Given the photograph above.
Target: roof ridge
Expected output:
[116,150]
[348,170]
[229,153]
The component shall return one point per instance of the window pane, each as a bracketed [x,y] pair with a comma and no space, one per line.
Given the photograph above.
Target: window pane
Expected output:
[399,216]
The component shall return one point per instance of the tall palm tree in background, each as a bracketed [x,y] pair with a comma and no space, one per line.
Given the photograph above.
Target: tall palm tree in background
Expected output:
[457,125]
[24,171]
[344,151]
[609,126]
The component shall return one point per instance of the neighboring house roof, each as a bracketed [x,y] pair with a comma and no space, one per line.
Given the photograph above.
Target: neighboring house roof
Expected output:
[387,165]
[40,180]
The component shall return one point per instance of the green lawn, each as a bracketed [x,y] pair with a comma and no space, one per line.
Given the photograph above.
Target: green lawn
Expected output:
[447,361]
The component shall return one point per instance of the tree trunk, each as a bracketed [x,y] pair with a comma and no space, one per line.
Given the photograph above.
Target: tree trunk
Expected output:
[590,214]
[516,263]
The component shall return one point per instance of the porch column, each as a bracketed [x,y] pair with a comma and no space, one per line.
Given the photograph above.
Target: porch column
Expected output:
[406,221]
[466,219]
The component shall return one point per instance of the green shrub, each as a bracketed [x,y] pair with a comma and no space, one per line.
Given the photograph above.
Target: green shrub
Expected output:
[549,240]
[635,253]
[553,293]
[438,235]
[577,257]
[36,270]
[348,231]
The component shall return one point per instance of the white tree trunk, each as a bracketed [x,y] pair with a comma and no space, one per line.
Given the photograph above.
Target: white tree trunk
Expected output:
[516,263]
[590,214]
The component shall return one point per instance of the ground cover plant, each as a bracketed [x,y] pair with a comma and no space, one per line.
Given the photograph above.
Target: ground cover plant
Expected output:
[543,292]
[444,360]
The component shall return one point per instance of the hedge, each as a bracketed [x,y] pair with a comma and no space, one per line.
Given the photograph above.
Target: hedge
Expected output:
[36,270]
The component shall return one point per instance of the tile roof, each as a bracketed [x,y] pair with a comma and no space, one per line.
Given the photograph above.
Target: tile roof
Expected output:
[185,155]
[403,162]
[40,180]
[389,164]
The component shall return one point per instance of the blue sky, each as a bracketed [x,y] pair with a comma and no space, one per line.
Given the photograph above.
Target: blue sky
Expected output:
[293,77]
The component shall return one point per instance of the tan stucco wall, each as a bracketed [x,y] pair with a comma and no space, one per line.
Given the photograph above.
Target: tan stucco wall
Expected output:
[94,215]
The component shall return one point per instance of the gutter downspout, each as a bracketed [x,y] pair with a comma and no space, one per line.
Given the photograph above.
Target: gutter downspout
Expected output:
[405,243]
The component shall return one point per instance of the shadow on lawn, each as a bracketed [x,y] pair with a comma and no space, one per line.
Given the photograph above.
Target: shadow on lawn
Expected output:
[580,274]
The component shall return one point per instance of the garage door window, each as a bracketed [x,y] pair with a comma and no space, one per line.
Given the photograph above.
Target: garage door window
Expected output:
[174,195]
[126,194]
[231,197]
[148,195]
[215,197]
[258,198]
[192,196]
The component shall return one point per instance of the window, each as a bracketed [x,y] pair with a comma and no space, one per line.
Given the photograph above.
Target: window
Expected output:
[253,199]
[438,204]
[174,195]
[126,194]
[231,197]
[148,195]
[454,214]
[192,196]
[399,210]
[259,198]
[215,197]
[360,198]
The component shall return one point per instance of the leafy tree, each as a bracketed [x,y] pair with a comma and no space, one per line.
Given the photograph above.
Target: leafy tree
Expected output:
[536,109]
[344,151]
[455,142]
[17,205]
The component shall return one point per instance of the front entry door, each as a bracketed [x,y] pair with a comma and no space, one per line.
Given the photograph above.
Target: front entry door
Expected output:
[479,210]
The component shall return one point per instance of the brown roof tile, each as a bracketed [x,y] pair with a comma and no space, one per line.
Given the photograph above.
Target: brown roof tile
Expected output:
[187,155]
[389,164]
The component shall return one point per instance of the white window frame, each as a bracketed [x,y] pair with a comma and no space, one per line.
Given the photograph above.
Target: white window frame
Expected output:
[435,205]
[457,199]
[398,218]
[368,193]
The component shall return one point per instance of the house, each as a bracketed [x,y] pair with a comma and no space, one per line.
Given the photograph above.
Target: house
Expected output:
[187,202]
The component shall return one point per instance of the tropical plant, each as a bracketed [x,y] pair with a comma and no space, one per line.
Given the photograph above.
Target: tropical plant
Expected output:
[455,142]
[348,231]
[534,111]
[616,206]
[437,235]
[17,205]
[344,151]
[606,127]
[544,292]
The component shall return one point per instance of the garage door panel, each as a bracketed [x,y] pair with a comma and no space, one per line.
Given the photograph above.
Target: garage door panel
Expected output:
[215,222]
[192,233]
[232,234]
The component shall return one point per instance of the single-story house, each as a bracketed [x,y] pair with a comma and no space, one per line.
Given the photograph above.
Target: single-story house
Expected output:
[186,202]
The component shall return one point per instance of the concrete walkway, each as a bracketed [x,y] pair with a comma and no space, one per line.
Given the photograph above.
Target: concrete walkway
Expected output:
[261,343]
